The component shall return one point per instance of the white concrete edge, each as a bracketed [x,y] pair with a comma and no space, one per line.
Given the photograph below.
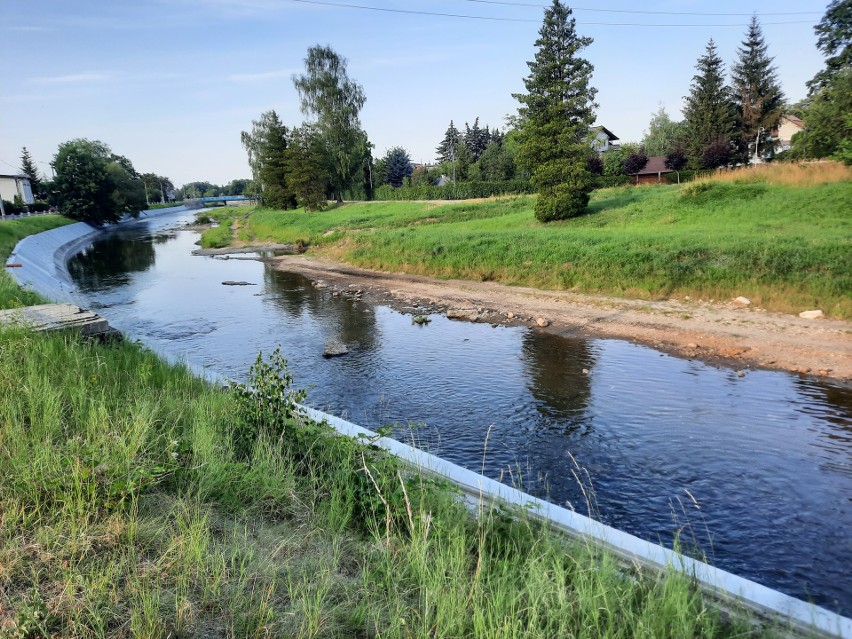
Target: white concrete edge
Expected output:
[719,583]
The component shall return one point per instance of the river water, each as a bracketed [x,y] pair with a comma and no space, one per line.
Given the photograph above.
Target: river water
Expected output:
[755,472]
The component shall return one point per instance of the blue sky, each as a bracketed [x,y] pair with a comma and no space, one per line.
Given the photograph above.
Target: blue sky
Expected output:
[171,83]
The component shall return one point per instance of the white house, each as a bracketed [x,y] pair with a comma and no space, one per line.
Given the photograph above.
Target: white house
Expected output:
[602,139]
[787,128]
[12,186]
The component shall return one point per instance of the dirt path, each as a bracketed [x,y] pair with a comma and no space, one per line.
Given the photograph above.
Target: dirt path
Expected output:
[743,337]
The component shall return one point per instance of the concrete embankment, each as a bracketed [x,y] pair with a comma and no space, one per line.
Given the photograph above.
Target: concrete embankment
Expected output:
[45,255]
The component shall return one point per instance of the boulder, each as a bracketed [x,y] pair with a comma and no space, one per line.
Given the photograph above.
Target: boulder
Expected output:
[469,314]
[334,348]
[742,302]
[542,322]
[236,283]
[811,314]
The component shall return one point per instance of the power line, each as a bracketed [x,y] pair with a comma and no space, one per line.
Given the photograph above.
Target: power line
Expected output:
[346,5]
[665,13]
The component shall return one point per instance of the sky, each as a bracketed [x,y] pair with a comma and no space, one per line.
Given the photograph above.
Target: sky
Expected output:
[170,84]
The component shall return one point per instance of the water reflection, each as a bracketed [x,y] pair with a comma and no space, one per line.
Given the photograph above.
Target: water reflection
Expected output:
[109,262]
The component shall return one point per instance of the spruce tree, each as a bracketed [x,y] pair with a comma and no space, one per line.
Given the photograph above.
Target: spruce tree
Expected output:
[29,169]
[446,149]
[555,116]
[266,145]
[757,94]
[709,113]
[398,166]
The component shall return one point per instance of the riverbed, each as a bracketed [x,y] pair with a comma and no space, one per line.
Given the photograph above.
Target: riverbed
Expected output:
[753,471]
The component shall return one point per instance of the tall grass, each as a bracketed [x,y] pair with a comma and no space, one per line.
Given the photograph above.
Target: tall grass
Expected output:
[796,174]
[127,508]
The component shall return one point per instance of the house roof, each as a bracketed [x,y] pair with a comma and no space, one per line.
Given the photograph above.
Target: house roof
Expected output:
[15,177]
[609,134]
[654,165]
[794,120]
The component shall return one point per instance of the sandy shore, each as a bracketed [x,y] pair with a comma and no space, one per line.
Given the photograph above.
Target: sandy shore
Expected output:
[720,332]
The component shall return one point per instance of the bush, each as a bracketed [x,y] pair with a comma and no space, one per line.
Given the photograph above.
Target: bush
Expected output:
[561,202]
[12,208]
[39,206]
[459,191]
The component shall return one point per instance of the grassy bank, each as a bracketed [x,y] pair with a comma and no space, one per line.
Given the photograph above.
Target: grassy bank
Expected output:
[12,232]
[136,500]
[782,242]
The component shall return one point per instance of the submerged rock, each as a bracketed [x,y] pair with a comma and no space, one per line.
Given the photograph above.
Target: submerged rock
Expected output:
[469,314]
[420,319]
[237,283]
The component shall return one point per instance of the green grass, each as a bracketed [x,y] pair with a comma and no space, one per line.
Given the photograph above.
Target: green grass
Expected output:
[12,232]
[784,247]
[137,500]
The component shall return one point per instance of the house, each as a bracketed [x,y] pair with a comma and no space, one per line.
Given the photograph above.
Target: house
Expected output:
[12,186]
[787,128]
[653,171]
[602,139]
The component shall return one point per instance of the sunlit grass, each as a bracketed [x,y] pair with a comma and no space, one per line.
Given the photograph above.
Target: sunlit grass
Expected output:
[784,247]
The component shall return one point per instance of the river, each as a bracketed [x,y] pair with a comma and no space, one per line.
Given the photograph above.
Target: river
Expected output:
[755,472]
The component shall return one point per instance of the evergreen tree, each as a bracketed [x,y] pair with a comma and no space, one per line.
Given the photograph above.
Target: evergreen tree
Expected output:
[709,112]
[397,166]
[555,116]
[834,39]
[266,145]
[448,146]
[28,168]
[329,95]
[757,94]
[475,139]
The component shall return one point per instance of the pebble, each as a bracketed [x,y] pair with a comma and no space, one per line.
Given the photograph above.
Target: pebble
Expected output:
[542,322]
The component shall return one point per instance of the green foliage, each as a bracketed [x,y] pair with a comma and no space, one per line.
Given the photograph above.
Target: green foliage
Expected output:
[757,95]
[461,191]
[834,39]
[307,168]
[449,145]
[555,116]
[663,134]
[635,162]
[29,169]
[267,146]
[496,164]
[94,185]
[828,121]
[328,94]
[709,111]
[397,166]
[266,406]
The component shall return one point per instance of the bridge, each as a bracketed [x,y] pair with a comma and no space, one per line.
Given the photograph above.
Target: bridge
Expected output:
[199,202]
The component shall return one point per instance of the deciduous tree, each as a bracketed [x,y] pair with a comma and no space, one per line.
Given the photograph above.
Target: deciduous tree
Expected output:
[555,116]
[663,134]
[834,39]
[335,101]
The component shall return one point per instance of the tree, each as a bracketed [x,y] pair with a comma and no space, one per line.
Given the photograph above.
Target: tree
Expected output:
[447,148]
[663,134]
[307,168]
[266,145]
[476,139]
[555,116]
[709,112]
[828,121]
[328,94]
[397,166]
[635,162]
[676,161]
[757,94]
[496,163]
[93,187]
[834,39]
[29,169]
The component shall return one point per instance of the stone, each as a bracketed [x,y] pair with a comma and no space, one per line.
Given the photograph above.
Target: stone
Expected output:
[742,302]
[420,320]
[692,345]
[469,314]
[334,348]
[237,283]
[542,322]
[740,374]
[510,315]
[811,314]
[585,371]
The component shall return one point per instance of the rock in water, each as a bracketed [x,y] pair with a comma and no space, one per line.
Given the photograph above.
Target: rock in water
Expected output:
[334,348]
[470,314]
[811,314]
[236,283]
